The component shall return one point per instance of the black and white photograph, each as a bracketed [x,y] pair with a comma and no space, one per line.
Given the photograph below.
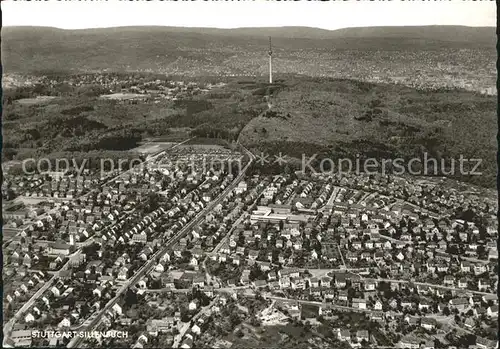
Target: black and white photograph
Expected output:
[249,174]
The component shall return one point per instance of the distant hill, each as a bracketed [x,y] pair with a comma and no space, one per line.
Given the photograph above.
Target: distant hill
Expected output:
[29,49]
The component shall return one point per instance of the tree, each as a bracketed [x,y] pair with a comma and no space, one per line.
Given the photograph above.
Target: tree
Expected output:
[234,319]
[185,316]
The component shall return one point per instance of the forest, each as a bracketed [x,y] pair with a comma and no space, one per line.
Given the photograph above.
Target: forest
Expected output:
[343,118]
[330,117]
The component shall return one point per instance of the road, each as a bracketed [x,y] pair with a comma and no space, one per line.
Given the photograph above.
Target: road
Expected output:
[342,257]
[450,322]
[100,186]
[332,197]
[153,260]
[399,281]
[315,272]
[42,216]
[290,199]
[248,292]
[470,259]
[234,225]
[447,320]
[219,246]
[7,329]
[366,196]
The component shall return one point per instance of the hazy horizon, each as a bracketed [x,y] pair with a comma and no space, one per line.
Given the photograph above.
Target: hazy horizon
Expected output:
[255,14]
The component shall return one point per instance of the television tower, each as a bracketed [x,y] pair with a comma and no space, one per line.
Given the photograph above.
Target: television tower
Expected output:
[270,62]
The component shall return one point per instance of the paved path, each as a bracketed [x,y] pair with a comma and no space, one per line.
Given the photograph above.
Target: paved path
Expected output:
[342,257]
[431,285]
[7,328]
[251,293]
[76,341]
[149,159]
[331,199]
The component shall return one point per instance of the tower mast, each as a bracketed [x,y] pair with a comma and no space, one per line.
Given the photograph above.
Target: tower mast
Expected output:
[270,62]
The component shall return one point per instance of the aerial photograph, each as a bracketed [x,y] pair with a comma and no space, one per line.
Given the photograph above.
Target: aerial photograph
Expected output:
[254,174]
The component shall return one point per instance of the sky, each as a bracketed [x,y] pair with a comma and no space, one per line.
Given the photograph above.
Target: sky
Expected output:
[259,13]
